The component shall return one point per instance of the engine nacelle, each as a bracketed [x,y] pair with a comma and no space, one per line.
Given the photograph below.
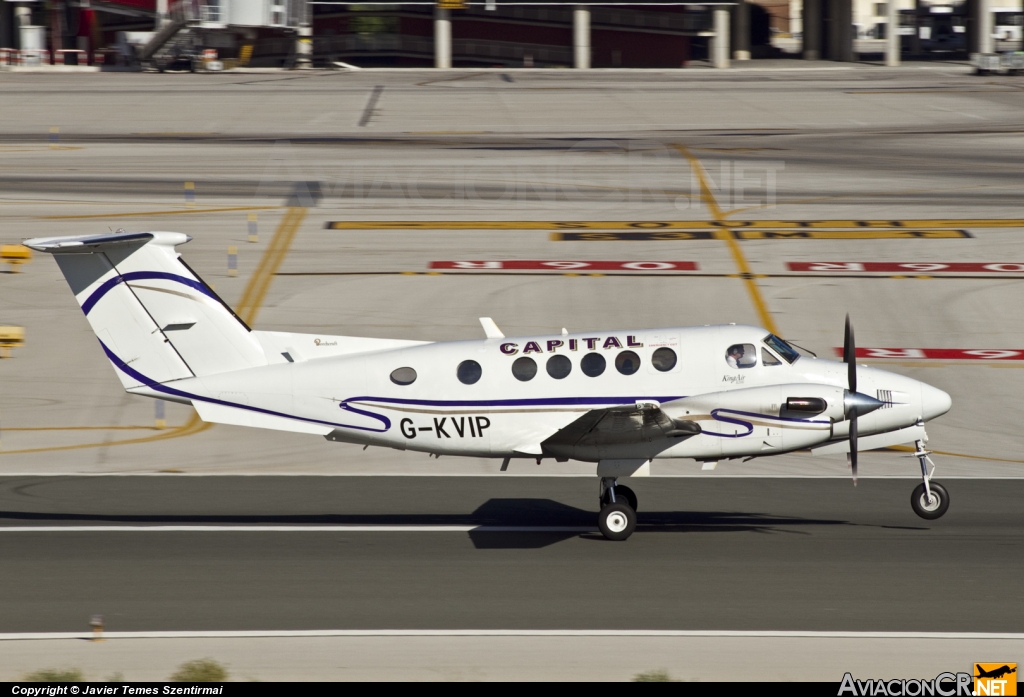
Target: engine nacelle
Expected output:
[796,402]
[759,420]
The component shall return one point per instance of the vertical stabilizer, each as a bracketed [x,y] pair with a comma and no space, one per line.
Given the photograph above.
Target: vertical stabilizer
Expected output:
[155,318]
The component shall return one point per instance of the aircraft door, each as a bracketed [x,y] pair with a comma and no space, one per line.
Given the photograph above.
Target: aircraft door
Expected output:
[665,355]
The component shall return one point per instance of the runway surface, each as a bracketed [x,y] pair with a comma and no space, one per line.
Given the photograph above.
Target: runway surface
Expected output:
[745,554]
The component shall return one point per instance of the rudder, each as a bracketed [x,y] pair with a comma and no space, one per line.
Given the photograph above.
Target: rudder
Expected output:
[149,309]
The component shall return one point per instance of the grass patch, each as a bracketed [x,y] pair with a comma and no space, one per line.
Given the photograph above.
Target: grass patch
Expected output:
[654,676]
[55,675]
[200,670]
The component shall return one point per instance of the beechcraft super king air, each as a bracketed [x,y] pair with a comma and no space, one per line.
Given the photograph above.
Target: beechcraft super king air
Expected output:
[619,399]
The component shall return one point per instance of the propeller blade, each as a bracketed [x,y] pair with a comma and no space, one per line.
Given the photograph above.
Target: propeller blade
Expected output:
[853,447]
[850,356]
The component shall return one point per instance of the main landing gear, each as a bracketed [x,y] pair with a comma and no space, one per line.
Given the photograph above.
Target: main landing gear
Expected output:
[930,500]
[617,518]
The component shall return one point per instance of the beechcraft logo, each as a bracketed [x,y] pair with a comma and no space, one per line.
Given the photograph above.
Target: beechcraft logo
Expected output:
[995,679]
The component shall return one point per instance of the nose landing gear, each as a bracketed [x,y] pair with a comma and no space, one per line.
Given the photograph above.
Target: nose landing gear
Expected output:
[930,504]
[930,500]
[617,518]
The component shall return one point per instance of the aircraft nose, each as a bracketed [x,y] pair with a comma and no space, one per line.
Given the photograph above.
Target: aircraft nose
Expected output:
[934,402]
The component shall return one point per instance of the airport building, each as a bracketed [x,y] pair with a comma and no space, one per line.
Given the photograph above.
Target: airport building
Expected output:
[176,34]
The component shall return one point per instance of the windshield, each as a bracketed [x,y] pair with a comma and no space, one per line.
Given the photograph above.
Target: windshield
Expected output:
[781,348]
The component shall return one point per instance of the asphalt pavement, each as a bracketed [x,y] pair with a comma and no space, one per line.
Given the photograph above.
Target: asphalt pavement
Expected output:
[464,553]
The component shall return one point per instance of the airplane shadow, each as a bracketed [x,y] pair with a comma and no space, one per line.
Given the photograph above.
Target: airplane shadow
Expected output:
[518,514]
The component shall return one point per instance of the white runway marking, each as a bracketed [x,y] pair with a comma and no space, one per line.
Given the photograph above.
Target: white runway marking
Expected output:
[482,475]
[295,528]
[257,634]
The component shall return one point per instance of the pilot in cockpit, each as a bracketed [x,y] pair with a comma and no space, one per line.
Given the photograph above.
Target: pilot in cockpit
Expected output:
[737,356]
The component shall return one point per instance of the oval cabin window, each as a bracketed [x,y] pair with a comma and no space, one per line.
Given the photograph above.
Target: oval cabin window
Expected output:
[559,367]
[592,365]
[524,368]
[627,362]
[664,359]
[403,376]
[469,372]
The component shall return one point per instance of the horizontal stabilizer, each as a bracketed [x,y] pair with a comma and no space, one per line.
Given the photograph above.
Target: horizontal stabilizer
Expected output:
[88,244]
[235,416]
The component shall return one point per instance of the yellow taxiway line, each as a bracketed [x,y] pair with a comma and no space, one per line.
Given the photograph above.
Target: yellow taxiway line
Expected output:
[752,234]
[85,428]
[908,449]
[259,284]
[726,236]
[653,225]
[192,426]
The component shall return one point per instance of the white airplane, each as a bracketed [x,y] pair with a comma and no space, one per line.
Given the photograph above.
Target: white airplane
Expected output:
[617,398]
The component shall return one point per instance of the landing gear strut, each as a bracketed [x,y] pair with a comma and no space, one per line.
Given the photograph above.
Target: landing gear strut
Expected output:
[617,518]
[930,500]
[623,494]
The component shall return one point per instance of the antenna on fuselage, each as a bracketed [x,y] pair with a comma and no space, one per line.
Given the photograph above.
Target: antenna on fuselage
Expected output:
[491,330]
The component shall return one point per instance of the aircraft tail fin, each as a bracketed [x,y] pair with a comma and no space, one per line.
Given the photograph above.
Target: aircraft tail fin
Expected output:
[155,318]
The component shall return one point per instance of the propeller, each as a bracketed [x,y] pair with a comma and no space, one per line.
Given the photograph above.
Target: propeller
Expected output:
[850,356]
[856,404]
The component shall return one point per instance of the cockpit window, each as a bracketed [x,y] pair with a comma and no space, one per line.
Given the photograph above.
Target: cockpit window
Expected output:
[741,356]
[782,348]
[768,358]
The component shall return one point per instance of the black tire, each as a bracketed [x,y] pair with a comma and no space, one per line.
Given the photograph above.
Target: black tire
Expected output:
[919,501]
[617,521]
[621,492]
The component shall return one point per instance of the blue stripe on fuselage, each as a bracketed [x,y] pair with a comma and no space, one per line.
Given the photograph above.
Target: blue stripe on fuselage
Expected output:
[108,286]
[159,387]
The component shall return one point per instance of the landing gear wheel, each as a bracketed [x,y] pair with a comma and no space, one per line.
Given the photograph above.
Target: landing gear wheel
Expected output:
[623,494]
[930,510]
[617,521]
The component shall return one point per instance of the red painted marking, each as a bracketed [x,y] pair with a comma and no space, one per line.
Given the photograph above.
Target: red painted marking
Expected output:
[907,267]
[521,265]
[939,354]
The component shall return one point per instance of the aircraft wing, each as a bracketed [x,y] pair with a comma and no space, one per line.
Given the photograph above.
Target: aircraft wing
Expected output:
[629,424]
